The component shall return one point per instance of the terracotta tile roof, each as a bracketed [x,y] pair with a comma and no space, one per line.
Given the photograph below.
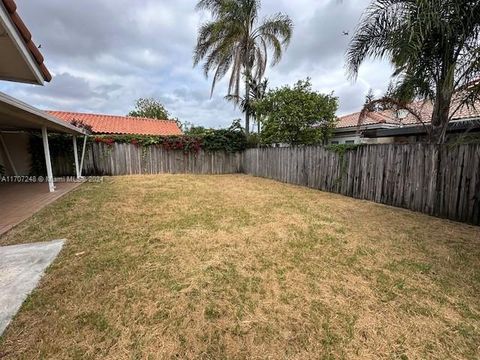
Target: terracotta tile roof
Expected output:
[113,124]
[27,37]
[425,110]
[371,119]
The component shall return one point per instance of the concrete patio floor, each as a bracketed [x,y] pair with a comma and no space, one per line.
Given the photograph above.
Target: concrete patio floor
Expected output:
[19,201]
[21,267]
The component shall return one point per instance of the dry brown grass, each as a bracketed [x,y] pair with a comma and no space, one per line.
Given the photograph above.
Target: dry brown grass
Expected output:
[238,267]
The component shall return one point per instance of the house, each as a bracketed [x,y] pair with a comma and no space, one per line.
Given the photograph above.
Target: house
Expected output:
[22,62]
[120,125]
[19,141]
[390,126]
[348,131]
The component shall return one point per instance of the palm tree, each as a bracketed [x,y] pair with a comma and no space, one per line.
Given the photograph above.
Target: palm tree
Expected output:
[257,91]
[235,40]
[433,46]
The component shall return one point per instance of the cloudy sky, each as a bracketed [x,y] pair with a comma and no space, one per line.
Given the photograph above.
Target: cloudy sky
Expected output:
[104,54]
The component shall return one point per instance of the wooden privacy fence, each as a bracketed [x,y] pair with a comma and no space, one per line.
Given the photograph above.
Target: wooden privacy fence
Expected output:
[437,180]
[128,159]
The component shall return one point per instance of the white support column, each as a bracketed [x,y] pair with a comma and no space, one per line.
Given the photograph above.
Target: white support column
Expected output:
[83,154]
[75,156]
[46,149]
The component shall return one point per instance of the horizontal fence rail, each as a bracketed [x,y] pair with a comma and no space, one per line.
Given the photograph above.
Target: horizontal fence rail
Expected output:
[438,180]
[129,159]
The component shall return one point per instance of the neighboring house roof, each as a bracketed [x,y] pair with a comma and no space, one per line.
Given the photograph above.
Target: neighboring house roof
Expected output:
[351,120]
[22,29]
[424,109]
[113,124]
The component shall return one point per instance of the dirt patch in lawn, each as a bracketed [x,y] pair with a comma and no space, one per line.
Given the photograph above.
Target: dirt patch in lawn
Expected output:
[178,266]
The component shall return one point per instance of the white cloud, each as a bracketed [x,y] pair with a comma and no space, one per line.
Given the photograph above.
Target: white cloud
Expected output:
[105,54]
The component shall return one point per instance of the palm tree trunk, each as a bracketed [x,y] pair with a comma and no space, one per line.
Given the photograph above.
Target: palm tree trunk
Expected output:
[440,119]
[247,101]
[441,110]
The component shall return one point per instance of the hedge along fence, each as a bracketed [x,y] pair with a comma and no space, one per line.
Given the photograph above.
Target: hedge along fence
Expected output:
[442,181]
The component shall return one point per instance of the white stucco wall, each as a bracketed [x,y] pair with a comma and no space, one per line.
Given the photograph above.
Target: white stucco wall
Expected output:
[356,139]
[345,140]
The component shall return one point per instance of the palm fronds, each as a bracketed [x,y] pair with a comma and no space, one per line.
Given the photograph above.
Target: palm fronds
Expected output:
[236,41]
[433,45]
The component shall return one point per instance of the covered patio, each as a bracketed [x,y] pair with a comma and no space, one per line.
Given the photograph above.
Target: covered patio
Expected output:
[21,195]
[21,61]
[20,201]
[17,117]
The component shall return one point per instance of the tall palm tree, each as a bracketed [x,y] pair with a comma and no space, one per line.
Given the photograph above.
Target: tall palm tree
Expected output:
[434,48]
[236,40]
[257,91]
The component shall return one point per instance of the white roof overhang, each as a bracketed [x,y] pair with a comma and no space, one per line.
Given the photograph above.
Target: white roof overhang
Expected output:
[16,61]
[16,115]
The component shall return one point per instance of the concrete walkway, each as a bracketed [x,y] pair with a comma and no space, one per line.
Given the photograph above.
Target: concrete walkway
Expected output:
[21,267]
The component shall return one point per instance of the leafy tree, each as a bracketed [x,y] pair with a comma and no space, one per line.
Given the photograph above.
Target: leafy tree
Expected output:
[236,40]
[231,139]
[297,115]
[150,108]
[186,126]
[434,48]
[197,131]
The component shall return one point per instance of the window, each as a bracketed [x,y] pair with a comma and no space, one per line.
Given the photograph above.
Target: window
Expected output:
[350,142]
[334,142]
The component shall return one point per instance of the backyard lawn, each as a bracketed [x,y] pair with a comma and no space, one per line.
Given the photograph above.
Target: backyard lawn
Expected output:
[217,267]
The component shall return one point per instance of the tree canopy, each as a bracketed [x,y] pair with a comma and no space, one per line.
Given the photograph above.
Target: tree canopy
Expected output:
[433,46]
[297,115]
[150,108]
[231,139]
